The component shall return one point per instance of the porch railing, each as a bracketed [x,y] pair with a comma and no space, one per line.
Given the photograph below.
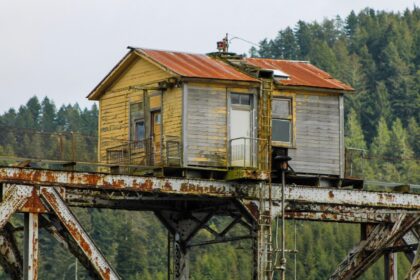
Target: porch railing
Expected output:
[146,152]
[247,152]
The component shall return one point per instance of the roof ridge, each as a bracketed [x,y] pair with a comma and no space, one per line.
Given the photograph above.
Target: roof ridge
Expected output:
[276,59]
[163,50]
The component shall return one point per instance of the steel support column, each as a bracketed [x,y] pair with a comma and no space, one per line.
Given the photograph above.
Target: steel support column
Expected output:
[183,226]
[180,258]
[390,266]
[30,247]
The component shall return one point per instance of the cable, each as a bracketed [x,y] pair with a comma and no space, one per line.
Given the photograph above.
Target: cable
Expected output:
[242,39]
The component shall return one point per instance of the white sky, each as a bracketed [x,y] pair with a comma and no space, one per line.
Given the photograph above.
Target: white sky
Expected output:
[63,48]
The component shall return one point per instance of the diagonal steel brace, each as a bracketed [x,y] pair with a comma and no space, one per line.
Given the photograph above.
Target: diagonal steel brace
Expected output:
[79,235]
[10,257]
[13,199]
[371,249]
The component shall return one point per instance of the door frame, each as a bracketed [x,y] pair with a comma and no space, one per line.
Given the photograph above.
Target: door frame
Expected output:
[151,136]
[253,124]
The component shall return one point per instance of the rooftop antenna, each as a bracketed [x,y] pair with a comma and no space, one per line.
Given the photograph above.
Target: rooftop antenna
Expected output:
[223,46]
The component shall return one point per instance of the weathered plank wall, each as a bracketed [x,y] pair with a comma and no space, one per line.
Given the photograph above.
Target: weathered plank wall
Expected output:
[172,126]
[206,126]
[114,104]
[317,135]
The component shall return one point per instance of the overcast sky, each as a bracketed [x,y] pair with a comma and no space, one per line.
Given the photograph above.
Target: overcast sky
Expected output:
[63,48]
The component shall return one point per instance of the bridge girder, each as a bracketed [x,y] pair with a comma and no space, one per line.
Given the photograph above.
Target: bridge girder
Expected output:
[59,189]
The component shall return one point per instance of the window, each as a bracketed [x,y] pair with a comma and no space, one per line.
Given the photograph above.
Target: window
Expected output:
[137,124]
[282,123]
[139,130]
[240,99]
[157,118]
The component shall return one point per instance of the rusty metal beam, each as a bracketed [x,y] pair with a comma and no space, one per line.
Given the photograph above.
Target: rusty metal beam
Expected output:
[14,197]
[30,247]
[343,213]
[10,257]
[165,186]
[75,229]
[368,251]
[53,226]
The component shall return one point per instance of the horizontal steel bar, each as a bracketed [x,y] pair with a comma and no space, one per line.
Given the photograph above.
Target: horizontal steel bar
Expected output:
[209,188]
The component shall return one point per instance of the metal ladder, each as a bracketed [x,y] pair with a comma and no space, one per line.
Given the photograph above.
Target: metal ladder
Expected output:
[265,220]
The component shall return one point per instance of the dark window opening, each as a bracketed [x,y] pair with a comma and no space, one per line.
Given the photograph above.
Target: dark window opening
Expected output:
[140,130]
[240,99]
[282,123]
[281,130]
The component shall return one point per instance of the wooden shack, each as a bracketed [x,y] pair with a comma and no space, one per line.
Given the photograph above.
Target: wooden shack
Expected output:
[204,115]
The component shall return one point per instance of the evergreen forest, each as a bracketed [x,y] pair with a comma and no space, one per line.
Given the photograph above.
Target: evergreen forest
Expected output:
[376,52]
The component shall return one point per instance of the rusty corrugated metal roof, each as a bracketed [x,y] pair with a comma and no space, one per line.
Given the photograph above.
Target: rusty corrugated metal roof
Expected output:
[300,73]
[195,65]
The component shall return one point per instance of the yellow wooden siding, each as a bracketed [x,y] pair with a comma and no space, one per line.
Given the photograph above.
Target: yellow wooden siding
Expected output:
[115,103]
[140,72]
[172,125]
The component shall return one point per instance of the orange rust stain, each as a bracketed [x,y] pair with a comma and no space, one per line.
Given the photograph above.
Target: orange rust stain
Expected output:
[92,180]
[34,204]
[50,176]
[167,186]
[192,188]
[331,194]
[146,186]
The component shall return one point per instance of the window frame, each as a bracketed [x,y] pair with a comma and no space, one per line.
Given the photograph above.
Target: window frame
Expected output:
[290,118]
[133,135]
[239,106]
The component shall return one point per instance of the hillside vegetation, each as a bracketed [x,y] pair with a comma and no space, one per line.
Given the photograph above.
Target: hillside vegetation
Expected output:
[378,53]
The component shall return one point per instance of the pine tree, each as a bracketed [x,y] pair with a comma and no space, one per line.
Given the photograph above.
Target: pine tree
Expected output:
[48,114]
[413,131]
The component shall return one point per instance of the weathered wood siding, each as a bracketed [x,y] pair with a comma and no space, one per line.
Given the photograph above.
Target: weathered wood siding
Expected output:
[172,125]
[115,103]
[317,135]
[206,126]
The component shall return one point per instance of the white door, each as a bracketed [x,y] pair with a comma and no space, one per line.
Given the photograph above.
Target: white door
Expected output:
[240,135]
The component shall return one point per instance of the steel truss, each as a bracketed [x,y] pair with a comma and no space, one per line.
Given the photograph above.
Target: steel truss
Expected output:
[185,206]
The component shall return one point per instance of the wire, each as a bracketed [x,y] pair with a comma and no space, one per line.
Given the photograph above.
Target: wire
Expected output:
[244,40]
